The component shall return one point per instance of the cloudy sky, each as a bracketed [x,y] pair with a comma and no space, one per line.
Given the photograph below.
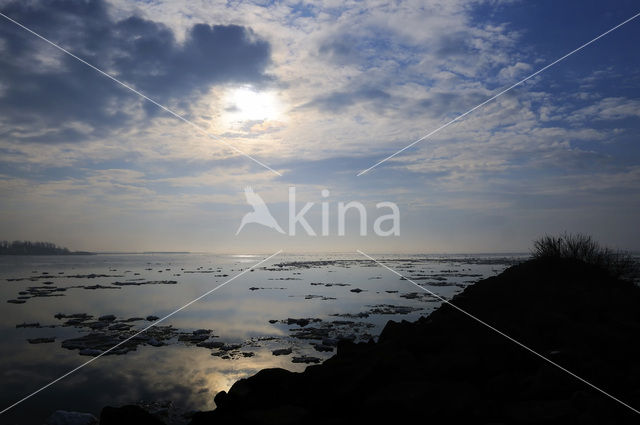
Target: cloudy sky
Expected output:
[318,91]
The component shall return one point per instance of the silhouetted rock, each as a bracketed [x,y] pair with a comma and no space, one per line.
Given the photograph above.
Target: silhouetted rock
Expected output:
[448,368]
[128,415]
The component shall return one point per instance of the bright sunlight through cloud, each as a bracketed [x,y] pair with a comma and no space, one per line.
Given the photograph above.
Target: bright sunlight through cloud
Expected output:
[246,104]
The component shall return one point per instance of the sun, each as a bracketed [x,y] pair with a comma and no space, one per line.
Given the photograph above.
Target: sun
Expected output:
[247,104]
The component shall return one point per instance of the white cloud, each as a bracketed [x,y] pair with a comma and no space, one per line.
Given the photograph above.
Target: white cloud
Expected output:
[609,108]
[513,72]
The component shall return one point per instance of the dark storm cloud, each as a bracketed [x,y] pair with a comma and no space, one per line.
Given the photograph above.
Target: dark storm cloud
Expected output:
[211,54]
[41,87]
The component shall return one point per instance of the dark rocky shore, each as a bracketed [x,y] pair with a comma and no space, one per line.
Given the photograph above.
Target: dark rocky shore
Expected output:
[448,368]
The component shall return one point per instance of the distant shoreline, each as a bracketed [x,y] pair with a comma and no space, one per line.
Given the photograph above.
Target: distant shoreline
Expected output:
[42,254]
[166,252]
[142,252]
[36,248]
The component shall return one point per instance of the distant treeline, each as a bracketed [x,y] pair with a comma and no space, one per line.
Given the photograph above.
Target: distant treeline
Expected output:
[35,248]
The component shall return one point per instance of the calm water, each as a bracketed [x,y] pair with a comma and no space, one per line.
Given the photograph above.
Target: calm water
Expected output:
[324,287]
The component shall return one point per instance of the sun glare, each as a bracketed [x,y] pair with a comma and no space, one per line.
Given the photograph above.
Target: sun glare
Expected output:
[246,104]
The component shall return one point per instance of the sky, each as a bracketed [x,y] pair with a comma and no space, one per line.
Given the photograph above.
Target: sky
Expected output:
[318,91]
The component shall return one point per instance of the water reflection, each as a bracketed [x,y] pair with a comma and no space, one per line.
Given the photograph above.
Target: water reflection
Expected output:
[238,313]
